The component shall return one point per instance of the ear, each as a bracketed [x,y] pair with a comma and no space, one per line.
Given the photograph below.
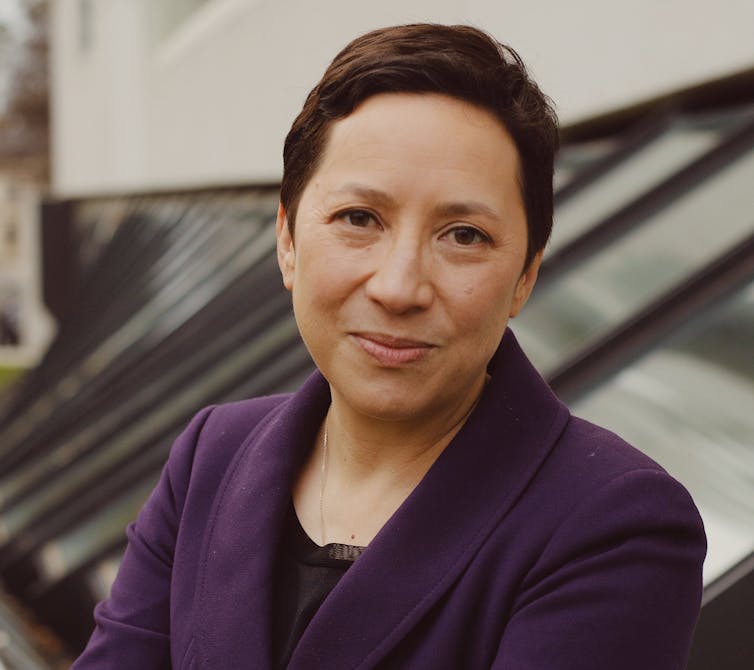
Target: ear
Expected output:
[525,284]
[285,250]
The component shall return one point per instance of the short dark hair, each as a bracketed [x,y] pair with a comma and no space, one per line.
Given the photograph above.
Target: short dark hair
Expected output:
[459,61]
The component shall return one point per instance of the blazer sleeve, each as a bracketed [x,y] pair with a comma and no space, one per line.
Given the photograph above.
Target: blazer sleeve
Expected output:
[132,627]
[618,585]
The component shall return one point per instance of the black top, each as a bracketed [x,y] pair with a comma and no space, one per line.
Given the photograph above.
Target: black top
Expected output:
[305,575]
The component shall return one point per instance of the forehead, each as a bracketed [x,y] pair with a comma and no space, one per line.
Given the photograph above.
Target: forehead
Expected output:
[420,141]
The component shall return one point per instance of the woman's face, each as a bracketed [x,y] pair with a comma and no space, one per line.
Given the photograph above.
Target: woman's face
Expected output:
[408,257]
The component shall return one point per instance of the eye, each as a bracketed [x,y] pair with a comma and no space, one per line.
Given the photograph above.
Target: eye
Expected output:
[466,236]
[358,218]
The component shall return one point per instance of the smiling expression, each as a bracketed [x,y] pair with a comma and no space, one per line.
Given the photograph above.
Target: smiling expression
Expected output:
[410,240]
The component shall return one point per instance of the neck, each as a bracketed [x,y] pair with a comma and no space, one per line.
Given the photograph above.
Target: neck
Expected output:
[371,467]
[363,447]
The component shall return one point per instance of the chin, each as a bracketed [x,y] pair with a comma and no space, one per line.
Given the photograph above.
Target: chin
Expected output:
[389,410]
[386,405]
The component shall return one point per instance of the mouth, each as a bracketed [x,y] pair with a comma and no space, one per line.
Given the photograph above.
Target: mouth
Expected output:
[391,351]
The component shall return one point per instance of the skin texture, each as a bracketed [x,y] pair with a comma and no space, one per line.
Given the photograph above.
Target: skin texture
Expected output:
[407,263]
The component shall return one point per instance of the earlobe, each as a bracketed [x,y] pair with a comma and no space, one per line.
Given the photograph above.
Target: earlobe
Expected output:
[285,251]
[525,285]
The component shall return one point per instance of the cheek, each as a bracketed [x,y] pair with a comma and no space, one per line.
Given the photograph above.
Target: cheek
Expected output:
[490,285]
[325,279]
[483,310]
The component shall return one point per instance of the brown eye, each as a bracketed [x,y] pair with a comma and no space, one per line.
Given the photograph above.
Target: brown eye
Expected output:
[466,236]
[357,217]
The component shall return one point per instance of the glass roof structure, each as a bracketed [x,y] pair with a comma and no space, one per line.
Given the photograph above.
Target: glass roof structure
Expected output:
[641,262]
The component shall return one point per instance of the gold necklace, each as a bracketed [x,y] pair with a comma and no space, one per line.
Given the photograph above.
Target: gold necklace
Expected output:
[322,479]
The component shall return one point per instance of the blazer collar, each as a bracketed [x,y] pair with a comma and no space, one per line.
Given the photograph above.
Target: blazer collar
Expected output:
[236,575]
[412,561]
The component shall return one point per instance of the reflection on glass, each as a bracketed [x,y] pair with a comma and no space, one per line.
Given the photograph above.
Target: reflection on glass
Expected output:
[106,527]
[211,244]
[100,578]
[127,443]
[152,391]
[16,640]
[662,251]
[641,171]
[688,404]
[575,158]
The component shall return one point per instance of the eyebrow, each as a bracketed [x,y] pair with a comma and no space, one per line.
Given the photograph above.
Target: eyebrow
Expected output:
[443,209]
[465,208]
[367,193]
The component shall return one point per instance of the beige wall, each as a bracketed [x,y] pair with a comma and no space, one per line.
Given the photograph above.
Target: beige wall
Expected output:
[209,102]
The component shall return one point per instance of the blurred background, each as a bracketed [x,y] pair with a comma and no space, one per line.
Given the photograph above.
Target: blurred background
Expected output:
[140,155]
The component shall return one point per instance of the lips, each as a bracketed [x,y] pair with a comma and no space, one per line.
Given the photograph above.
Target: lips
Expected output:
[391,351]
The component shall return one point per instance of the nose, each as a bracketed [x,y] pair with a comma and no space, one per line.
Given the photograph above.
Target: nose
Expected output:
[401,281]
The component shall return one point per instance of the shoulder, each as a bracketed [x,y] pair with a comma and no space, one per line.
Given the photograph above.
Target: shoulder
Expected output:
[589,456]
[593,489]
[600,486]
[202,453]
[226,425]
[607,541]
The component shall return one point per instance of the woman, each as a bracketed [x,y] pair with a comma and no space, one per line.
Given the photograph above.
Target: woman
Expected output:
[423,501]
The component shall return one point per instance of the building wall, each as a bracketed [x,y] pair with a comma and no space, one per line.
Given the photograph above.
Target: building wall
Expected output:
[188,93]
[26,327]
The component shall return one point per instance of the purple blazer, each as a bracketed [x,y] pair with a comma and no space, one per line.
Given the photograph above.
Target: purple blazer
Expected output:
[536,541]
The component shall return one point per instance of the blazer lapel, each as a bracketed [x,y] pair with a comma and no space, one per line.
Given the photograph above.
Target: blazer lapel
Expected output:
[435,533]
[236,575]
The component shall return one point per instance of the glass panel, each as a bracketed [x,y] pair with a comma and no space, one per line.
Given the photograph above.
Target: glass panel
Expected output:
[220,241]
[573,159]
[688,404]
[17,643]
[641,171]
[100,578]
[128,442]
[103,529]
[150,393]
[567,314]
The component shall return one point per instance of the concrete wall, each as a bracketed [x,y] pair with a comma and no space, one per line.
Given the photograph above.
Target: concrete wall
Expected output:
[138,106]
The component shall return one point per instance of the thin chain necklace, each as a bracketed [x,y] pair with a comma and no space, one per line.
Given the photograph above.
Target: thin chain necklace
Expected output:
[322,479]
[323,469]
